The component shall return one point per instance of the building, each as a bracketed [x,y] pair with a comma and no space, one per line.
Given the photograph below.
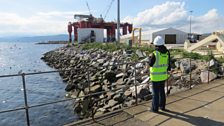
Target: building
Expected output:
[171,36]
[90,35]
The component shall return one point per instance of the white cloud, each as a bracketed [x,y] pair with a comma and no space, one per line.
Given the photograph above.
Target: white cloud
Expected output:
[209,22]
[41,23]
[163,14]
[174,14]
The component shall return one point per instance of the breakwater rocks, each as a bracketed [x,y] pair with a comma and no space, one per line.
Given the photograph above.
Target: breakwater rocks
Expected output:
[114,74]
[93,71]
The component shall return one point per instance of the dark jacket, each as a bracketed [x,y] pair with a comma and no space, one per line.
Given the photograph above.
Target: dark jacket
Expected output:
[161,49]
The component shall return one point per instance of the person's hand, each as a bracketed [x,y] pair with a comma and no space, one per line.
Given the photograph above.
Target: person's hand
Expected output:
[170,72]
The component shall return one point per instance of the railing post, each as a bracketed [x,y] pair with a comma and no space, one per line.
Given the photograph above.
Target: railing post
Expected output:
[190,74]
[208,70]
[88,78]
[25,100]
[167,83]
[136,93]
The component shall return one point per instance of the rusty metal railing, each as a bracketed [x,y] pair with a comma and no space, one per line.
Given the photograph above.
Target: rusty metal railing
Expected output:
[26,106]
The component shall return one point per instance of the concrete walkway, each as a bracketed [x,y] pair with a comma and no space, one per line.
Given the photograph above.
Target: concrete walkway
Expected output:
[201,106]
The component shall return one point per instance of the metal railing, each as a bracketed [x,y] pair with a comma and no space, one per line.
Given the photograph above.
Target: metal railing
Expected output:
[26,106]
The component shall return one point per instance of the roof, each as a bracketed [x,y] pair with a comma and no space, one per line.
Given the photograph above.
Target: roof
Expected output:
[170,30]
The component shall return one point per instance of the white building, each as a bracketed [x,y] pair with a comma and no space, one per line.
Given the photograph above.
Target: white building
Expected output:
[171,36]
[84,34]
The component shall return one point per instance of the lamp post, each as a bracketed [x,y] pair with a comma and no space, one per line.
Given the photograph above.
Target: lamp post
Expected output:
[118,21]
[190,22]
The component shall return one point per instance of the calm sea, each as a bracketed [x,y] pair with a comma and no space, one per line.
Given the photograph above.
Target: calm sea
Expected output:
[25,57]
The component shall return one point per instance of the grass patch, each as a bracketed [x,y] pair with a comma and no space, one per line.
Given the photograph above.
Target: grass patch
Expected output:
[192,55]
[111,47]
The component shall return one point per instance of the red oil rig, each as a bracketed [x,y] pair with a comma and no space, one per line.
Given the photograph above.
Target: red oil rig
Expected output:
[89,21]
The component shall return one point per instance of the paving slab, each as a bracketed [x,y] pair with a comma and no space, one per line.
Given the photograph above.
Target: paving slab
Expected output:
[146,116]
[219,89]
[208,96]
[190,92]
[136,109]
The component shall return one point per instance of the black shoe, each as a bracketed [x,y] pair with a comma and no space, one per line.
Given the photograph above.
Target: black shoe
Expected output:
[165,110]
[154,111]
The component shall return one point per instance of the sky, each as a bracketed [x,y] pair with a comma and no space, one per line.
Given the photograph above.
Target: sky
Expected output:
[48,17]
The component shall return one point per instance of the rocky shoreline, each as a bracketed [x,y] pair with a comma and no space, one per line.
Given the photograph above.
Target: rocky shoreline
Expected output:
[96,70]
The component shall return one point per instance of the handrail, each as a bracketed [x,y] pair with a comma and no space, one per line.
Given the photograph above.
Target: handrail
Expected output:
[86,66]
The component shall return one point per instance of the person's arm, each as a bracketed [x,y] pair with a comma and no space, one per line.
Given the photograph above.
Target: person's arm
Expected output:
[169,62]
[152,60]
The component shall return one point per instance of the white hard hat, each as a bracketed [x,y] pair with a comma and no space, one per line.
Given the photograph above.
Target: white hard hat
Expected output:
[158,41]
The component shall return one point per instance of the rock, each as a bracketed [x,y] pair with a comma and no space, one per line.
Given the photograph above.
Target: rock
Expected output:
[212,63]
[96,88]
[146,80]
[144,54]
[130,103]
[111,76]
[101,110]
[77,108]
[204,76]
[112,103]
[144,94]
[120,82]
[119,75]
[70,87]
[116,107]
[72,61]
[139,88]
[118,98]
[139,65]
[177,64]
[101,61]
[185,66]
[178,56]
[139,53]
[98,113]
[110,95]
[127,93]
[106,64]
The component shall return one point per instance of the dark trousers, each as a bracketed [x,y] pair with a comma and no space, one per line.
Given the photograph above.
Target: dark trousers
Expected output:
[159,97]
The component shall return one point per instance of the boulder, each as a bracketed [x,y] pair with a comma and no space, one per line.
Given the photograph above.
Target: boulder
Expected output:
[70,87]
[112,103]
[212,63]
[116,107]
[185,66]
[130,103]
[127,93]
[177,64]
[101,61]
[119,75]
[139,88]
[118,98]
[139,65]
[144,94]
[204,76]
[139,53]
[111,76]
[96,88]
[145,80]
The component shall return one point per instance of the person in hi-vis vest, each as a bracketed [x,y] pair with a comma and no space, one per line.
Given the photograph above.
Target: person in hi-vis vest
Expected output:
[159,64]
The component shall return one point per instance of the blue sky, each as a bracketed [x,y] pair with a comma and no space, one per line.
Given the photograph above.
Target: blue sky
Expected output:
[42,17]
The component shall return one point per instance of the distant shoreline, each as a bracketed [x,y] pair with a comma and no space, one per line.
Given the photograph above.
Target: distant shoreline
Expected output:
[53,42]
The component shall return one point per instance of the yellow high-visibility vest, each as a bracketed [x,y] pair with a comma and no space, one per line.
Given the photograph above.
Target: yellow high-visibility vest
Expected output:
[158,72]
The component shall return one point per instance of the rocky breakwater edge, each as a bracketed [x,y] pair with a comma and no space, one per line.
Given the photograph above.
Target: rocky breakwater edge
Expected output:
[116,75]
